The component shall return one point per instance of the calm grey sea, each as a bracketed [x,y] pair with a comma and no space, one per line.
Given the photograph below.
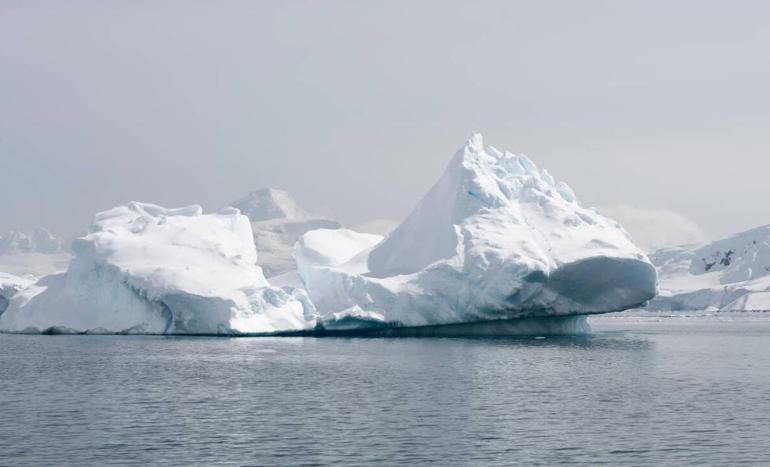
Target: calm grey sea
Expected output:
[642,390]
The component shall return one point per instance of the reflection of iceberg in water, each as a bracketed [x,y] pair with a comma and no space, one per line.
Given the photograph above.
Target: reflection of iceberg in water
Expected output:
[535,326]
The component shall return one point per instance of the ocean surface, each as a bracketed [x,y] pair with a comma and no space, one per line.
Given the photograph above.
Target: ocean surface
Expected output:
[650,389]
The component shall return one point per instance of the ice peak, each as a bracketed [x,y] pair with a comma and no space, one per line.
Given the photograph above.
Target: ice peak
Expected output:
[492,239]
[269,203]
[478,181]
[475,143]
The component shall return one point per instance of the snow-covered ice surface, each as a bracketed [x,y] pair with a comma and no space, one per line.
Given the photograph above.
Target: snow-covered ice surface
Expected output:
[147,269]
[277,222]
[10,285]
[332,247]
[495,239]
[728,274]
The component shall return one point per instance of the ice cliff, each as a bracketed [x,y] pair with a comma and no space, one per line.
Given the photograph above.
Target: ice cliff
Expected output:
[147,269]
[496,238]
[728,274]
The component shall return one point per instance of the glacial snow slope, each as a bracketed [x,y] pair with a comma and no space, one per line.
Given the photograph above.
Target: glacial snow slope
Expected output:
[277,222]
[729,274]
[147,269]
[495,238]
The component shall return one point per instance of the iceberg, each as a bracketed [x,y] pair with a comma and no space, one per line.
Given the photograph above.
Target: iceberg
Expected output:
[731,274]
[495,239]
[277,222]
[40,241]
[497,246]
[143,268]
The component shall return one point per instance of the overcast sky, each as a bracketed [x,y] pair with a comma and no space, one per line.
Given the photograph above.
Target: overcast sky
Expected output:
[356,107]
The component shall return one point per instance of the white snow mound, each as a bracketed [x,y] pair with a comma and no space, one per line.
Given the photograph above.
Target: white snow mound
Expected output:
[332,247]
[147,269]
[495,238]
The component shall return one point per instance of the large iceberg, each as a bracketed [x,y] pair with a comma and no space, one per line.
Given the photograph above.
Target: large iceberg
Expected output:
[147,269]
[497,246]
[495,239]
[728,274]
[277,222]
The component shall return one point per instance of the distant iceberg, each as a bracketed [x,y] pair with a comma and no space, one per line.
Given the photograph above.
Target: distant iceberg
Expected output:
[32,254]
[495,239]
[277,222]
[147,269]
[39,241]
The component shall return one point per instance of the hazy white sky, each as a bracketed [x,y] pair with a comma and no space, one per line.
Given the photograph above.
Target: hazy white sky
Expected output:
[356,107]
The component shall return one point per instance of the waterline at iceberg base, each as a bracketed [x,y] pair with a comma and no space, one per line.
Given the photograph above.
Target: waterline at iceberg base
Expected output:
[533,326]
[570,325]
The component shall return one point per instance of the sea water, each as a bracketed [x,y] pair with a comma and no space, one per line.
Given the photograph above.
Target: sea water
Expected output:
[662,389]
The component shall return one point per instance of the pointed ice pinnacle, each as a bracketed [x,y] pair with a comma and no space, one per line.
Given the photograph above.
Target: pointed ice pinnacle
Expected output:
[269,203]
[495,238]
